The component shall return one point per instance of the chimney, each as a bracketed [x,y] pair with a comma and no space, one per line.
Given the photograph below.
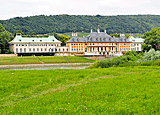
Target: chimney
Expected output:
[98,29]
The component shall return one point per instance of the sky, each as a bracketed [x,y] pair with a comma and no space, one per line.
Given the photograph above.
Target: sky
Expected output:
[22,8]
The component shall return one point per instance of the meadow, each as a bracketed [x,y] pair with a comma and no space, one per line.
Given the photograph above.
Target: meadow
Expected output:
[115,90]
[43,59]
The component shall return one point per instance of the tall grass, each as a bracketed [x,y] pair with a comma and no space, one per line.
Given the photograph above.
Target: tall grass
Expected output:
[125,90]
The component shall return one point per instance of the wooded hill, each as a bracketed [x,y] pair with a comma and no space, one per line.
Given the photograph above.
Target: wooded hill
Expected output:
[82,23]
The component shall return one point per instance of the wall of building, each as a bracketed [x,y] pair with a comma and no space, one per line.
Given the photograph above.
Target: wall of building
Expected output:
[8,55]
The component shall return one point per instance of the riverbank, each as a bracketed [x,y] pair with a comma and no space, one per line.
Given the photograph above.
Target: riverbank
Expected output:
[44,65]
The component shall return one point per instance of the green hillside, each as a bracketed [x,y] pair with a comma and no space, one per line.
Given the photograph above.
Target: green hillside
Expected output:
[82,23]
[120,91]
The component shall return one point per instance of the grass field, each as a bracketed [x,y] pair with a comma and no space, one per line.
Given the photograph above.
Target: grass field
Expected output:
[42,59]
[121,90]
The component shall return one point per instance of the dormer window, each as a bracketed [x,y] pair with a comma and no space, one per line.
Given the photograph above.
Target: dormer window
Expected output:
[109,39]
[97,39]
[32,40]
[20,40]
[73,39]
[100,39]
[104,39]
[40,40]
[91,39]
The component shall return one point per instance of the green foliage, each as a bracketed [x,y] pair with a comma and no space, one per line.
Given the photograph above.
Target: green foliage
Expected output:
[150,55]
[82,23]
[130,56]
[146,63]
[5,38]
[119,91]
[62,38]
[152,38]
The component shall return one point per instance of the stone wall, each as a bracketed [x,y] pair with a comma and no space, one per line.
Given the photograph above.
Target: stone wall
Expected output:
[8,55]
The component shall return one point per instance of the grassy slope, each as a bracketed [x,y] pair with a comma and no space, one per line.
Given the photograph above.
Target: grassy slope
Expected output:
[45,59]
[90,91]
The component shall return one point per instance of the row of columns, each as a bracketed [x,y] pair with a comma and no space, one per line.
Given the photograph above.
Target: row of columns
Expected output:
[100,49]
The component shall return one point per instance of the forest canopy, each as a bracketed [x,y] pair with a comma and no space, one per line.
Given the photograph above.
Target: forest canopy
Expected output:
[82,23]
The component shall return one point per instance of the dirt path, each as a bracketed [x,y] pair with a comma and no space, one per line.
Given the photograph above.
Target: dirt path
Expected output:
[41,65]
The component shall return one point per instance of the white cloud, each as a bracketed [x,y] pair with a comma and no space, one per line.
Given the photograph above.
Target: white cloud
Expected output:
[124,3]
[15,8]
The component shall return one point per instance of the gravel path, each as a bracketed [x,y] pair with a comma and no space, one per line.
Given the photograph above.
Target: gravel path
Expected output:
[41,65]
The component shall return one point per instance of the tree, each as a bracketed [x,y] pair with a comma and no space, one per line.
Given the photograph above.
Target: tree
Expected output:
[152,39]
[18,32]
[62,38]
[5,37]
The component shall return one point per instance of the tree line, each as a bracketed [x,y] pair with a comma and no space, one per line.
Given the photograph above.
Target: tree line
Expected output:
[42,24]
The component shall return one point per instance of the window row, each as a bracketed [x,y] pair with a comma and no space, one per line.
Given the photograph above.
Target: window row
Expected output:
[124,49]
[76,44]
[37,44]
[77,49]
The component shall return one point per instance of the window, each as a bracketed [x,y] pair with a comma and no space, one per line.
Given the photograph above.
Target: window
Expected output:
[40,40]
[16,50]
[16,44]
[72,49]
[63,49]
[20,50]
[81,44]
[59,49]
[32,40]
[34,49]
[85,43]
[37,49]
[48,44]
[20,40]
[45,49]
[30,49]
[24,50]
[67,49]
[41,49]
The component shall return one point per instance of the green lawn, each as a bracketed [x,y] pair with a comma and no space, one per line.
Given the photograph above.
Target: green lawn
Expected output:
[43,59]
[76,59]
[18,60]
[121,90]
[52,59]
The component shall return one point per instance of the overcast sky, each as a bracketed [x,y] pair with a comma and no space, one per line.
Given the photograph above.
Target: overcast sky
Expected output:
[15,8]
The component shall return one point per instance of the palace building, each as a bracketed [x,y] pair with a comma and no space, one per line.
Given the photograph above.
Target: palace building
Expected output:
[96,43]
[24,45]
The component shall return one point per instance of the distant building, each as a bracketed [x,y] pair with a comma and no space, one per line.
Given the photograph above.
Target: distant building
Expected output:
[97,43]
[23,45]
[136,44]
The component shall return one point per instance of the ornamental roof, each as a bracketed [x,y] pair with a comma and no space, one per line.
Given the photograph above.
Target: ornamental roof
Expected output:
[20,39]
[97,37]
